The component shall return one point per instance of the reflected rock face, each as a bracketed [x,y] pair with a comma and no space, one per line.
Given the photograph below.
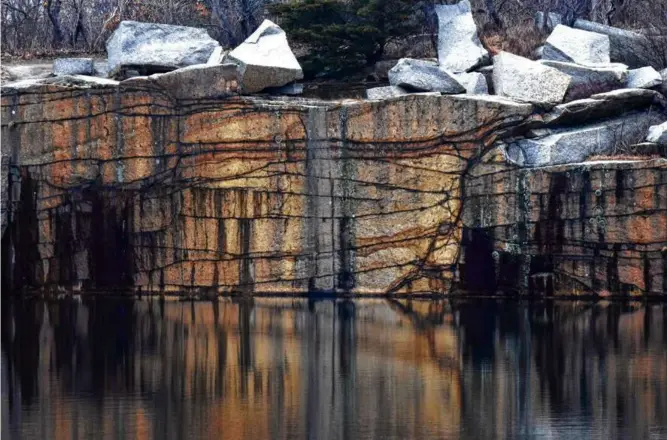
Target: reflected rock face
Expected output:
[128,188]
[292,368]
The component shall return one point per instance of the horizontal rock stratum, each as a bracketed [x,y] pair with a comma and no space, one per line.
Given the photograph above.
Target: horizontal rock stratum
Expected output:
[127,188]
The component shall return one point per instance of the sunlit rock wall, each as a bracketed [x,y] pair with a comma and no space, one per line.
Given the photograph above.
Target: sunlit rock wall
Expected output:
[124,188]
[591,228]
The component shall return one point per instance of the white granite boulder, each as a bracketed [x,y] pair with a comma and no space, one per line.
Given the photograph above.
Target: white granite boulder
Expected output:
[658,134]
[385,92]
[529,81]
[576,144]
[590,80]
[474,83]
[152,47]
[265,59]
[632,48]
[644,78]
[576,46]
[459,48]
[73,66]
[424,76]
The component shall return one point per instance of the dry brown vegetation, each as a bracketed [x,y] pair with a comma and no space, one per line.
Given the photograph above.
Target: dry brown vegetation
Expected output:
[37,28]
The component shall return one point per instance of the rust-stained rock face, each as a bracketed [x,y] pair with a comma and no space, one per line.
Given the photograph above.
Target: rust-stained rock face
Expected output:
[131,188]
[595,228]
[126,188]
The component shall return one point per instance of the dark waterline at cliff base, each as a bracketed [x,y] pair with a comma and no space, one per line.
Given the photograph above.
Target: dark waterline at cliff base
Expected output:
[287,368]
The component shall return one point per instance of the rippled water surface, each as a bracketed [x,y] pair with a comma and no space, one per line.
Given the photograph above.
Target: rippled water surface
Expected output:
[298,368]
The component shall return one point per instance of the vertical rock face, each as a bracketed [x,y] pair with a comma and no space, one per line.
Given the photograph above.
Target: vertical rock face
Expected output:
[598,227]
[129,188]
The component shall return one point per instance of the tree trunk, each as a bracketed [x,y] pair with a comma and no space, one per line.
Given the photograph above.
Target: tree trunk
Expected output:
[53,10]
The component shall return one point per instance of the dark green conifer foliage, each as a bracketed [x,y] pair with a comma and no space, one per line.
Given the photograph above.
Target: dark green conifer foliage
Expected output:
[345,36]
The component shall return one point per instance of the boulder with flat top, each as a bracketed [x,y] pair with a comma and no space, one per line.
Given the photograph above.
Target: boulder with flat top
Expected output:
[576,46]
[529,81]
[153,48]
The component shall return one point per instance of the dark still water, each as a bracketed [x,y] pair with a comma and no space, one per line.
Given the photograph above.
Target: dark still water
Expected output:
[296,369]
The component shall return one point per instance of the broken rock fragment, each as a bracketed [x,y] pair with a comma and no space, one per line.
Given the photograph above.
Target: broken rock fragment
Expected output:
[644,78]
[424,76]
[73,66]
[529,81]
[590,80]
[265,59]
[576,46]
[459,48]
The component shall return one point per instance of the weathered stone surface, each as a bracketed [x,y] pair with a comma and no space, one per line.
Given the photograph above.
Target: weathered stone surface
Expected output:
[73,66]
[576,144]
[474,83]
[605,105]
[459,48]
[547,22]
[590,80]
[525,80]
[424,76]
[265,59]
[385,92]
[644,78]
[658,134]
[152,47]
[200,81]
[129,189]
[631,48]
[597,228]
[576,46]
[663,75]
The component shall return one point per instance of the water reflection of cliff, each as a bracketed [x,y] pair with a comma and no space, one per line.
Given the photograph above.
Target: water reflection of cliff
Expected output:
[293,368]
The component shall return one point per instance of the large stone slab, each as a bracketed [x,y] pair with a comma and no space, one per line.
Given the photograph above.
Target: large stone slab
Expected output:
[265,59]
[152,47]
[604,105]
[459,48]
[658,134]
[424,76]
[529,81]
[73,66]
[590,80]
[628,47]
[576,144]
[644,78]
[576,46]
[200,81]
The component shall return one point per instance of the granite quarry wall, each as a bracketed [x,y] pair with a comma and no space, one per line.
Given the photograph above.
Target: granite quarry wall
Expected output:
[123,188]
